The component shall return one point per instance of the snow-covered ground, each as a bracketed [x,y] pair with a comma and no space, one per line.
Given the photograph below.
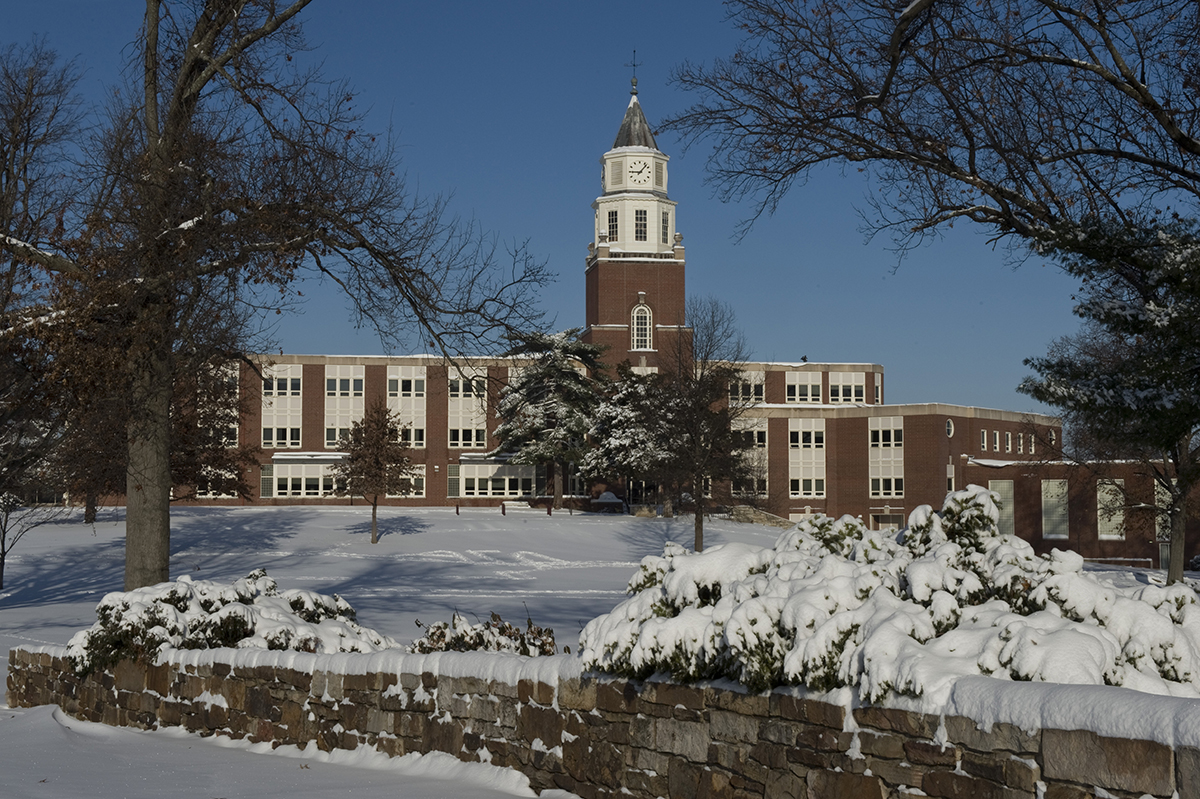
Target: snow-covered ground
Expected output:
[565,569]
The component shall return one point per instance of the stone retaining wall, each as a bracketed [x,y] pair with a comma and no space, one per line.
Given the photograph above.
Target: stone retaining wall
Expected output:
[600,737]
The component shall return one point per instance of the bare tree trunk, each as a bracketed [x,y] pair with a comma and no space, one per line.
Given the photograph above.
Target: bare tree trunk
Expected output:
[1179,516]
[374,526]
[89,508]
[559,468]
[698,526]
[148,479]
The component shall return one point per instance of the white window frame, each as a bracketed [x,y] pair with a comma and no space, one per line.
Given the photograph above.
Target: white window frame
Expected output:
[641,328]
[1110,510]
[801,387]
[1056,523]
[847,387]
[407,385]
[344,400]
[282,406]
[806,458]
[885,457]
[1007,524]
[466,408]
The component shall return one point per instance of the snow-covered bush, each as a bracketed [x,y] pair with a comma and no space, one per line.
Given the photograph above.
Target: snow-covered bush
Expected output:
[835,604]
[495,635]
[199,614]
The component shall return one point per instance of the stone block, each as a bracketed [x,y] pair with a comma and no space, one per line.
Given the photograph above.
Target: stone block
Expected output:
[685,738]
[683,780]
[530,691]
[1083,756]
[895,772]
[823,739]
[577,695]
[1187,772]
[882,745]
[535,722]
[129,675]
[799,709]
[985,764]
[641,731]
[771,755]
[1058,790]
[952,785]
[727,725]
[966,731]
[916,725]
[785,785]
[617,697]
[842,785]
[672,695]
[443,738]
[743,704]
[928,753]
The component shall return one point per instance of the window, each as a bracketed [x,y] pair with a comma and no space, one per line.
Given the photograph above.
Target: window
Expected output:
[802,387]
[983,441]
[1054,509]
[282,416]
[666,218]
[492,480]
[885,459]
[1007,524]
[1031,439]
[467,409]
[1053,438]
[613,227]
[343,401]
[754,439]
[1110,510]
[750,486]
[643,338]
[806,458]
[995,441]
[807,487]
[745,391]
[617,173]
[659,174]
[1021,443]
[847,386]
[1008,442]
[416,482]
[949,428]
[639,224]
[886,437]
[406,399]
[806,439]
[300,480]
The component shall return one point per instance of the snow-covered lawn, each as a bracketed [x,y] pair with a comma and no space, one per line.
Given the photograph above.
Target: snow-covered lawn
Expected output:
[565,569]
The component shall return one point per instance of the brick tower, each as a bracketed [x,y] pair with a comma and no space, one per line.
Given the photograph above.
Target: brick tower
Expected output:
[634,274]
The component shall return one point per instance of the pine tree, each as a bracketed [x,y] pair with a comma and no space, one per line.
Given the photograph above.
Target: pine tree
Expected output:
[548,403]
[1130,381]
[376,462]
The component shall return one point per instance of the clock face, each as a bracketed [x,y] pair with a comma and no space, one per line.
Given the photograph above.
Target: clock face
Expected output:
[639,172]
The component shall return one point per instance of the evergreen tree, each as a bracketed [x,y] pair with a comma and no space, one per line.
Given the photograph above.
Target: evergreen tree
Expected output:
[549,401]
[1131,380]
[376,461]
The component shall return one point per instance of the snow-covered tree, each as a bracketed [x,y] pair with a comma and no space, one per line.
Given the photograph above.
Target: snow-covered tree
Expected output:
[1131,379]
[375,461]
[547,406]
[630,429]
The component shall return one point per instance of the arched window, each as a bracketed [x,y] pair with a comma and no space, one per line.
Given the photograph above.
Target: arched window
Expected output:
[641,328]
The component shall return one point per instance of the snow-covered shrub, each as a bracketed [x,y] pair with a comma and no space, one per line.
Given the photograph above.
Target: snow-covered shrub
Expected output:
[834,604]
[495,635]
[200,614]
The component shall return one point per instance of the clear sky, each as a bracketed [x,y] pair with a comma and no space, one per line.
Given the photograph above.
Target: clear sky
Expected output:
[508,106]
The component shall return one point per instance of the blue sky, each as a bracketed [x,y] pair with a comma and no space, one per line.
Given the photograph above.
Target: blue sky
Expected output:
[509,105]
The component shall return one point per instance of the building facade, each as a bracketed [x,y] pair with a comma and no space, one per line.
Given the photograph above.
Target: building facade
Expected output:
[822,437]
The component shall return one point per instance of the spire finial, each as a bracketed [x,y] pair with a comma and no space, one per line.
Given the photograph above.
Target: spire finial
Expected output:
[633,83]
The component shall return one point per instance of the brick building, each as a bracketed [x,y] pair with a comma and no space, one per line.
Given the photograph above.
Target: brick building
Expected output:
[824,439]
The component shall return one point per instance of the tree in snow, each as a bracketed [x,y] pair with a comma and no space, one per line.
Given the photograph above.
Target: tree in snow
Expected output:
[375,462]
[1131,378]
[677,428]
[226,171]
[547,406]
[1007,113]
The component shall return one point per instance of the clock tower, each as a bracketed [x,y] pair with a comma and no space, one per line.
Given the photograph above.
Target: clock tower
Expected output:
[634,269]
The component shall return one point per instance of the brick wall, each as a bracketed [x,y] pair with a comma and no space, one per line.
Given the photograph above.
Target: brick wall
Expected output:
[602,737]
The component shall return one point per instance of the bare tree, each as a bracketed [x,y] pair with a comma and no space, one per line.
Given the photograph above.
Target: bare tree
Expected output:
[38,116]
[376,461]
[17,518]
[222,175]
[1010,114]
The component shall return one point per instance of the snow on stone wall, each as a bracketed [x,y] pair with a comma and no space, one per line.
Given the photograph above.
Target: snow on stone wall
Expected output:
[601,737]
